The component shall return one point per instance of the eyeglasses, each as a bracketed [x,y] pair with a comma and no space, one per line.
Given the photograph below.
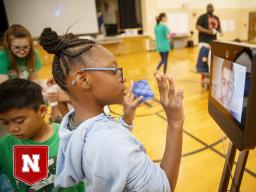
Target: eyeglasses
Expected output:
[19,48]
[116,71]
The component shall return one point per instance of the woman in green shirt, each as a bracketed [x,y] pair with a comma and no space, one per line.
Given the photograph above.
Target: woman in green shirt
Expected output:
[19,59]
[162,34]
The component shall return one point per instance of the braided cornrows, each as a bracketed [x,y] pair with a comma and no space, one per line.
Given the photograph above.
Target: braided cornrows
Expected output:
[65,49]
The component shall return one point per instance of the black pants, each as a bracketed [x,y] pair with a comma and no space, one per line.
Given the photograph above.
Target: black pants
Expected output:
[164,60]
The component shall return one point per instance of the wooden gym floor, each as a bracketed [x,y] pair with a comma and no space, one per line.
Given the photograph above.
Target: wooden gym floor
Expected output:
[204,144]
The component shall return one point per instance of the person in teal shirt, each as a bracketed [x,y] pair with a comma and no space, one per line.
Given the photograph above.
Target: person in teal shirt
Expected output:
[22,113]
[19,59]
[162,34]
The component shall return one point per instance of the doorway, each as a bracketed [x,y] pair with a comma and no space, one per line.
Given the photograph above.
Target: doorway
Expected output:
[252,27]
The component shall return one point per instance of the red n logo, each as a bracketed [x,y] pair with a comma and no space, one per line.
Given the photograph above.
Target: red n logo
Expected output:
[30,163]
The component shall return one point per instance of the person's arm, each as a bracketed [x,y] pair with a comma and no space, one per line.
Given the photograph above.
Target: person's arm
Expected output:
[58,96]
[204,30]
[130,105]
[167,33]
[5,182]
[124,124]
[219,28]
[128,167]
[3,78]
[4,66]
[173,107]
[38,65]
[33,76]
[50,82]
[38,61]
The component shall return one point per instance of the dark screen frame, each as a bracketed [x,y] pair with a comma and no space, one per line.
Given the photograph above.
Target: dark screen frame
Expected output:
[244,136]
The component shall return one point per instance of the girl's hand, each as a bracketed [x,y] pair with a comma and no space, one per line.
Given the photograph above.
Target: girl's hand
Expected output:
[59,96]
[53,97]
[171,100]
[130,105]
[50,82]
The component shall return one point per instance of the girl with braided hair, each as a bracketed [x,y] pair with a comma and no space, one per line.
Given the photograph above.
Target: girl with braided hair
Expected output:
[94,146]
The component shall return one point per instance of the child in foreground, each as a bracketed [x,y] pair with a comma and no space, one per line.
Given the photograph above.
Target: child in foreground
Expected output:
[22,113]
[93,146]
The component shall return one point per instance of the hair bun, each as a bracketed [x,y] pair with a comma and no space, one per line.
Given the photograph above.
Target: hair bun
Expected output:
[50,41]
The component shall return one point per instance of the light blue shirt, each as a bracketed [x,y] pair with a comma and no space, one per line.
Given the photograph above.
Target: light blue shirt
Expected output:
[105,154]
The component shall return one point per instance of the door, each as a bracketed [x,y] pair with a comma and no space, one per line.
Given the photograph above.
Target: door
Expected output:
[252,27]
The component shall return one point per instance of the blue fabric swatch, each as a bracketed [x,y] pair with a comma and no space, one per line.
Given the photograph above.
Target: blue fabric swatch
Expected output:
[141,88]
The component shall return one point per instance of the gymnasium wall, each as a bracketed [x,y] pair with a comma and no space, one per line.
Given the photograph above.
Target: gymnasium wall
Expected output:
[235,15]
[59,14]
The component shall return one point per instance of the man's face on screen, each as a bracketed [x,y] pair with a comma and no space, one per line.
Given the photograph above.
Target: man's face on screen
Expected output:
[227,86]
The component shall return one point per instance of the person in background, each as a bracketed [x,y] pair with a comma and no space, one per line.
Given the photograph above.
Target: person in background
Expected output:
[163,46]
[19,59]
[208,26]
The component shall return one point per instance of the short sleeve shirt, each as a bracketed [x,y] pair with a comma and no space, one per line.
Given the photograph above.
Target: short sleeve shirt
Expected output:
[210,23]
[162,42]
[5,65]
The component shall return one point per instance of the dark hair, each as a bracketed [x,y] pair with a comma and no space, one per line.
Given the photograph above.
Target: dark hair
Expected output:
[18,31]
[67,49]
[228,65]
[160,17]
[209,5]
[237,40]
[20,94]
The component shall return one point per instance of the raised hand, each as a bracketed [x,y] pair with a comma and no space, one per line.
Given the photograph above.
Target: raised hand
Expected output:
[130,105]
[171,100]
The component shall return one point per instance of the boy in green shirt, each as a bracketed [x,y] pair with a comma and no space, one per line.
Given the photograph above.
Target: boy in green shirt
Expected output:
[22,112]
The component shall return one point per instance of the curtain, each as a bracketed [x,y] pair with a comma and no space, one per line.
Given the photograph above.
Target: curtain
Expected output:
[127,14]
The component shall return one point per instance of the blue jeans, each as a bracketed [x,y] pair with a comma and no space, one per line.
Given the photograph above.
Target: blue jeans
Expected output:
[164,60]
